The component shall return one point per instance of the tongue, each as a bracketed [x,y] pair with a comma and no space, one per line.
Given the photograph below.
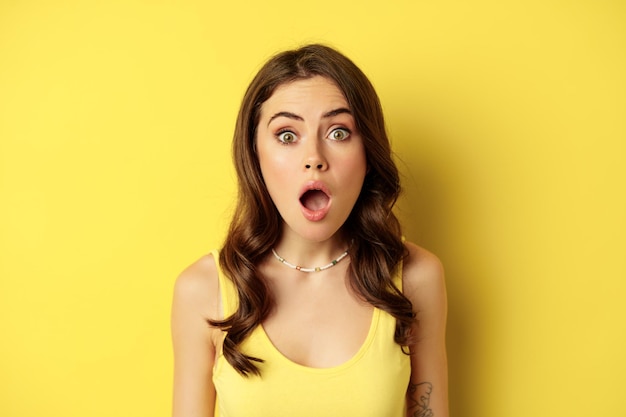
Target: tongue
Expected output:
[314,200]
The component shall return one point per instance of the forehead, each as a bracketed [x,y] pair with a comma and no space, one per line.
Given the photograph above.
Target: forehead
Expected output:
[309,94]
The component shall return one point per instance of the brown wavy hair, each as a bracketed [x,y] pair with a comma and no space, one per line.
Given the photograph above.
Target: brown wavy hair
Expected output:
[376,250]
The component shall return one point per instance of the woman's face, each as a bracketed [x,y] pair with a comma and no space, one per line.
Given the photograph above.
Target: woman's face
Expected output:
[311,155]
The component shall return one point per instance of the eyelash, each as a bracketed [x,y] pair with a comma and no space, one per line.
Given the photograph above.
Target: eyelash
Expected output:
[283,131]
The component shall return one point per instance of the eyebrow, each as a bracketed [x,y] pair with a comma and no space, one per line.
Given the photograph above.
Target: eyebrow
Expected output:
[294,116]
[335,112]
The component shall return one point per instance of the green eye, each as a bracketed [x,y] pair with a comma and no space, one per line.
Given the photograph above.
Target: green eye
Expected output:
[286,137]
[339,134]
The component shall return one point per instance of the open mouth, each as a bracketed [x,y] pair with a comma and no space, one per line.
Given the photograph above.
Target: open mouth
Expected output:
[314,200]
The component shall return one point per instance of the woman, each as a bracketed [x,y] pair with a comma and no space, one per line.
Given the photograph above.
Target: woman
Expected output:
[314,306]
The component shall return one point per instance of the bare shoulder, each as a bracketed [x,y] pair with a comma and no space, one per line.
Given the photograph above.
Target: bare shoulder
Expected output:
[424,285]
[197,288]
[423,280]
[195,342]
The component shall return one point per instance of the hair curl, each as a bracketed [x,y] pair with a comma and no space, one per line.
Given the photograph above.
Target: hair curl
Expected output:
[377,248]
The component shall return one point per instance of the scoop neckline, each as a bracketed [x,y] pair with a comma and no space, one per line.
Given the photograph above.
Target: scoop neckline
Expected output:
[355,358]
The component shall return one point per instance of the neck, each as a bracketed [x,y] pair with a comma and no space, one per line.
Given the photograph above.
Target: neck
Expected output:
[309,253]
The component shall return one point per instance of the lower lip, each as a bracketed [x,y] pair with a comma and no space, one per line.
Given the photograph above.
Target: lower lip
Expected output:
[315,215]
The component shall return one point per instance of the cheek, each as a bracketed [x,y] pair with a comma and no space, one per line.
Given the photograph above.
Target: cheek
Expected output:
[357,163]
[353,174]
[273,170]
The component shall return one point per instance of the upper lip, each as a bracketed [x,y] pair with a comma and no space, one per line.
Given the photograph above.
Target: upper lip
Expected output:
[315,185]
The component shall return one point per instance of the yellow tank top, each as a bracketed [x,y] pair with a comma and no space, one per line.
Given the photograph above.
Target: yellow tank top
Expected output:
[372,383]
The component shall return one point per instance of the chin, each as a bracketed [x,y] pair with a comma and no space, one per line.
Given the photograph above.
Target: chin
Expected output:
[316,231]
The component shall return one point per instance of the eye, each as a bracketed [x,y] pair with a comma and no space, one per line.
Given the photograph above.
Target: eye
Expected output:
[286,136]
[339,134]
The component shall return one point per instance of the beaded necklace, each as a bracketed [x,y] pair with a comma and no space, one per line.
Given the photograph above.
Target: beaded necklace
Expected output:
[316,269]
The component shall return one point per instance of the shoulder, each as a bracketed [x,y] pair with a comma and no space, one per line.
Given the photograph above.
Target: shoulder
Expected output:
[195,343]
[197,287]
[424,285]
[423,277]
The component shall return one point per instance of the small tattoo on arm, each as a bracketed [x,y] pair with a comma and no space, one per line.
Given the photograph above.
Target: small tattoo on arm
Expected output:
[419,399]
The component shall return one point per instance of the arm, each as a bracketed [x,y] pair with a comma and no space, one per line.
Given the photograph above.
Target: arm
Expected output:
[423,283]
[196,298]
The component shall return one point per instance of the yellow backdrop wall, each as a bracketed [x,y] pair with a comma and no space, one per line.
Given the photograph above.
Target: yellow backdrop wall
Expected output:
[508,118]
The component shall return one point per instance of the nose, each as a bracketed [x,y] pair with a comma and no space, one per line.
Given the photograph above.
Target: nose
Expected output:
[317,165]
[314,158]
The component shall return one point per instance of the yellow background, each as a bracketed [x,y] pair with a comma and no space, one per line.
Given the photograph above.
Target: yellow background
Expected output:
[509,120]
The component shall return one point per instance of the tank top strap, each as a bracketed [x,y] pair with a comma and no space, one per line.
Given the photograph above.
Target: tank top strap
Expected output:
[228,293]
